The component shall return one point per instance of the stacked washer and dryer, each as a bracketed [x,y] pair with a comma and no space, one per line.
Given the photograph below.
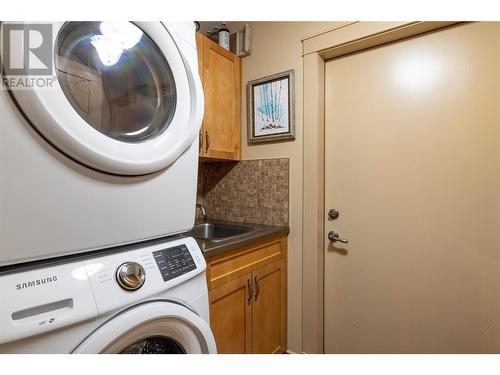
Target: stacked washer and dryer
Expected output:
[97,175]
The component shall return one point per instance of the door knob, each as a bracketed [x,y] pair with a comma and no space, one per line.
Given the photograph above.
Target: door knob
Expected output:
[334,236]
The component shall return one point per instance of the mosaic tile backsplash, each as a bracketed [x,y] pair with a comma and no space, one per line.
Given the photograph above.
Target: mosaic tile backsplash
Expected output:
[252,191]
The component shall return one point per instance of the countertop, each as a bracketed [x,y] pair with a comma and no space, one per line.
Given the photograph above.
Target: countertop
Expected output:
[209,248]
[260,232]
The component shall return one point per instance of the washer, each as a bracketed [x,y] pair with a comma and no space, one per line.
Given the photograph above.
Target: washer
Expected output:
[150,299]
[108,154]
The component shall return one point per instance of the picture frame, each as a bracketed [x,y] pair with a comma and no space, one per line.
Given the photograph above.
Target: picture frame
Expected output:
[271,108]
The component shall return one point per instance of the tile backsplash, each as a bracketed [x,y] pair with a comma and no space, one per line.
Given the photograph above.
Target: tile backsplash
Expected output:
[252,191]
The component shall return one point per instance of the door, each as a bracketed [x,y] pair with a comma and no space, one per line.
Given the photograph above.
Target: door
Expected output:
[412,165]
[269,315]
[231,315]
[124,102]
[222,88]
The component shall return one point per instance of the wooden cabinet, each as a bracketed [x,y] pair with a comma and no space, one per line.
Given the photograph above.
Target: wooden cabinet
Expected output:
[231,316]
[268,328]
[220,72]
[247,292]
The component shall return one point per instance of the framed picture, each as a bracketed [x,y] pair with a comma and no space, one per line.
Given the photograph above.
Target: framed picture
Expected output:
[271,108]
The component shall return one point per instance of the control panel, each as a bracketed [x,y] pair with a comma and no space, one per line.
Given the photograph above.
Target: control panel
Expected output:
[174,261]
[53,296]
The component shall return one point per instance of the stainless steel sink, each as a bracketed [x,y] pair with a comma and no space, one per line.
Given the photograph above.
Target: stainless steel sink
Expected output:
[217,232]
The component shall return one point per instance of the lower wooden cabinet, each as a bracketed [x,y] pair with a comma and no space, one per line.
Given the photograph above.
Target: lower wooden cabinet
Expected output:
[248,298]
[231,316]
[268,309]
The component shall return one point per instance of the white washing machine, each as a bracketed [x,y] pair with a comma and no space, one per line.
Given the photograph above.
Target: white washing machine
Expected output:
[108,154]
[149,299]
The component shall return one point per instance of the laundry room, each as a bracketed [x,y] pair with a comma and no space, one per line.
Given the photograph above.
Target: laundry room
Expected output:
[292,188]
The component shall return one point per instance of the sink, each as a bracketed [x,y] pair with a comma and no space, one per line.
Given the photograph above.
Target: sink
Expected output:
[218,232]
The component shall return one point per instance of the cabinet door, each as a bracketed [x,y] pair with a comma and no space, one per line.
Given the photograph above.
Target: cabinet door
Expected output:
[199,49]
[269,309]
[222,88]
[231,314]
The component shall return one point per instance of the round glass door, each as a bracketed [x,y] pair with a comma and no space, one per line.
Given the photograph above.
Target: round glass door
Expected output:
[155,327]
[116,78]
[127,100]
[155,345]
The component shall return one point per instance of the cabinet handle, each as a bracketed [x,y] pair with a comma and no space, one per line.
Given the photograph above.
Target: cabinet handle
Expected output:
[207,145]
[249,284]
[200,146]
[257,288]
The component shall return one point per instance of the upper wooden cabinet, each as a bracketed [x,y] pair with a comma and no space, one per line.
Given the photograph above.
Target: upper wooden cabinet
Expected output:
[220,72]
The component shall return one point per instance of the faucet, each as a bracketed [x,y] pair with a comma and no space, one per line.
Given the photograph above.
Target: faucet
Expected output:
[203,210]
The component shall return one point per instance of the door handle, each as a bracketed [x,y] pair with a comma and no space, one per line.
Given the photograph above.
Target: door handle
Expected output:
[249,284]
[334,236]
[207,144]
[257,287]
[201,141]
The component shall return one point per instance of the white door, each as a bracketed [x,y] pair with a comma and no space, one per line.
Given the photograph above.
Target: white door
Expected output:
[412,165]
[124,102]
[154,327]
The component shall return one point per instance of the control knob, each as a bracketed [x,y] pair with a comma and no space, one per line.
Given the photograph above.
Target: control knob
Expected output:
[130,276]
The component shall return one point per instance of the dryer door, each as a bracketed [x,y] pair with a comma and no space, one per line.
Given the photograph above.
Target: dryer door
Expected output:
[154,327]
[126,100]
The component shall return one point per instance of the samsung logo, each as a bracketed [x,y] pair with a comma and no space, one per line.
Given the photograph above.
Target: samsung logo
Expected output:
[37,282]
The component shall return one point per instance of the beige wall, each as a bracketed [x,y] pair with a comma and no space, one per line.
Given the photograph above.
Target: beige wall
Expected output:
[276,47]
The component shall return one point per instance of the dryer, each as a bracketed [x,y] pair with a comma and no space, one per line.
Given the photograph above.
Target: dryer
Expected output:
[108,154]
[150,298]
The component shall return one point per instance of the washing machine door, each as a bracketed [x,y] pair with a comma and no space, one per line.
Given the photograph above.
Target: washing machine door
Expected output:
[155,327]
[127,99]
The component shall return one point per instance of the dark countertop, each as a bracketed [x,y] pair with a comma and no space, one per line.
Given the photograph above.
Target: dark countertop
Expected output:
[260,232]
[209,248]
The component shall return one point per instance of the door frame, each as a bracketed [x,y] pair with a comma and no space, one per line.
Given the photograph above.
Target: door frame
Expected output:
[316,51]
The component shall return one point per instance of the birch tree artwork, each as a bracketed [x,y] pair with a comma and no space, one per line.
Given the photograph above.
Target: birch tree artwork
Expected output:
[271,107]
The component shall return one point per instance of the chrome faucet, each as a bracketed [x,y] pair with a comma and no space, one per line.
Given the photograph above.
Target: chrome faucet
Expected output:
[203,210]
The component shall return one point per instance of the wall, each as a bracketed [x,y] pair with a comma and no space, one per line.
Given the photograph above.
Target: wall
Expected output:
[250,191]
[208,26]
[276,47]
